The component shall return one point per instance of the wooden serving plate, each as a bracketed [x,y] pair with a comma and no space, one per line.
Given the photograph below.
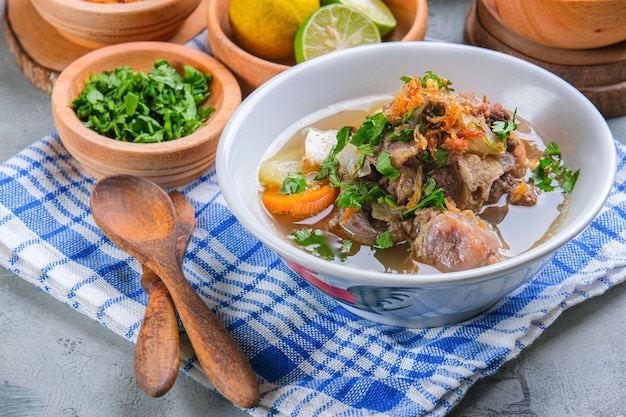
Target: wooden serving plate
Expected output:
[42,53]
[600,74]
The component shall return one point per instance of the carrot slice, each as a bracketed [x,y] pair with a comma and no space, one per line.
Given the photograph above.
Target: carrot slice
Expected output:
[301,205]
[349,212]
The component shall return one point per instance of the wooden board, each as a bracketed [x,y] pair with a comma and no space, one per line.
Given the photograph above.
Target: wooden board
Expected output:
[599,74]
[42,53]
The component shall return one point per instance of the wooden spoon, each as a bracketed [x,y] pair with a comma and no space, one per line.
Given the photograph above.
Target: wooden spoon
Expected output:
[157,354]
[139,217]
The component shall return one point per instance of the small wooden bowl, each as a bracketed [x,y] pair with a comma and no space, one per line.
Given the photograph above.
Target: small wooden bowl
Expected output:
[252,71]
[169,163]
[567,24]
[94,25]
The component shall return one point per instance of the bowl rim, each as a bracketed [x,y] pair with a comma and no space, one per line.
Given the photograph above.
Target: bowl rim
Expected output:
[112,10]
[420,23]
[231,97]
[285,250]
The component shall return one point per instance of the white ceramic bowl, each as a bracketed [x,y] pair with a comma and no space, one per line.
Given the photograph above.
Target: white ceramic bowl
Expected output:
[556,108]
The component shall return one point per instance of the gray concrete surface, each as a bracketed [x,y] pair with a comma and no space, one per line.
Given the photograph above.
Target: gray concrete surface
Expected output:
[56,362]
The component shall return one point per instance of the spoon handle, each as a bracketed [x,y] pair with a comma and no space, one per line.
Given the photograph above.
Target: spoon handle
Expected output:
[157,353]
[221,358]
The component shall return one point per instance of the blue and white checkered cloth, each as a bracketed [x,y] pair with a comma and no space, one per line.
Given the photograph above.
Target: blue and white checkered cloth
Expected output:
[312,357]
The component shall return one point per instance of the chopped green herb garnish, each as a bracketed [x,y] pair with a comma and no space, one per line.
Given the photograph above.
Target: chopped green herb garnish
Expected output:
[131,106]
[366,149]
[350,198]
[328,168]
[355,195]
[431,197]
[315,241]
[370,131]
[346,246]
[551,171]
[385,167]
[569,180]
[435,199]
[387,200]
[293,184]
[383,240]
[403,135]
[437,111]
[420,122]
[428,187]
[503,129]
[440,158]
[409,115]
[441,82]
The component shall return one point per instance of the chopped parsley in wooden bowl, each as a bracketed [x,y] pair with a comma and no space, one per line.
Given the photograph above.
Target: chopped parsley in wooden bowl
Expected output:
[167,138]
[134,106]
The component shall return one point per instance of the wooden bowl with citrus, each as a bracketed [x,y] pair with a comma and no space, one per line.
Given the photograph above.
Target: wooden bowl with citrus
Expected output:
[97,23]
[254,67]
[169,163]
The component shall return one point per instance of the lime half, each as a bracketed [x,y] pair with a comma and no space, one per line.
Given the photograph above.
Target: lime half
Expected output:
[376,10]
[331,28]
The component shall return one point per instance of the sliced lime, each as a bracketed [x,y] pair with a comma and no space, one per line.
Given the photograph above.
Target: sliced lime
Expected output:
[331,28]
[376,10]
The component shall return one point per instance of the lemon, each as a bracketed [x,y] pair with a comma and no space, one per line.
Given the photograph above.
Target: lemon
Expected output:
[331,28]
[267,28]
[376,10]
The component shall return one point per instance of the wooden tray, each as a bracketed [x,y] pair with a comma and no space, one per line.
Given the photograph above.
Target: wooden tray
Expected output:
[42,53]
[600,74]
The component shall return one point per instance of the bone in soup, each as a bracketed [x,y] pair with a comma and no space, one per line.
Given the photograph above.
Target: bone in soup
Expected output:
[429,180]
